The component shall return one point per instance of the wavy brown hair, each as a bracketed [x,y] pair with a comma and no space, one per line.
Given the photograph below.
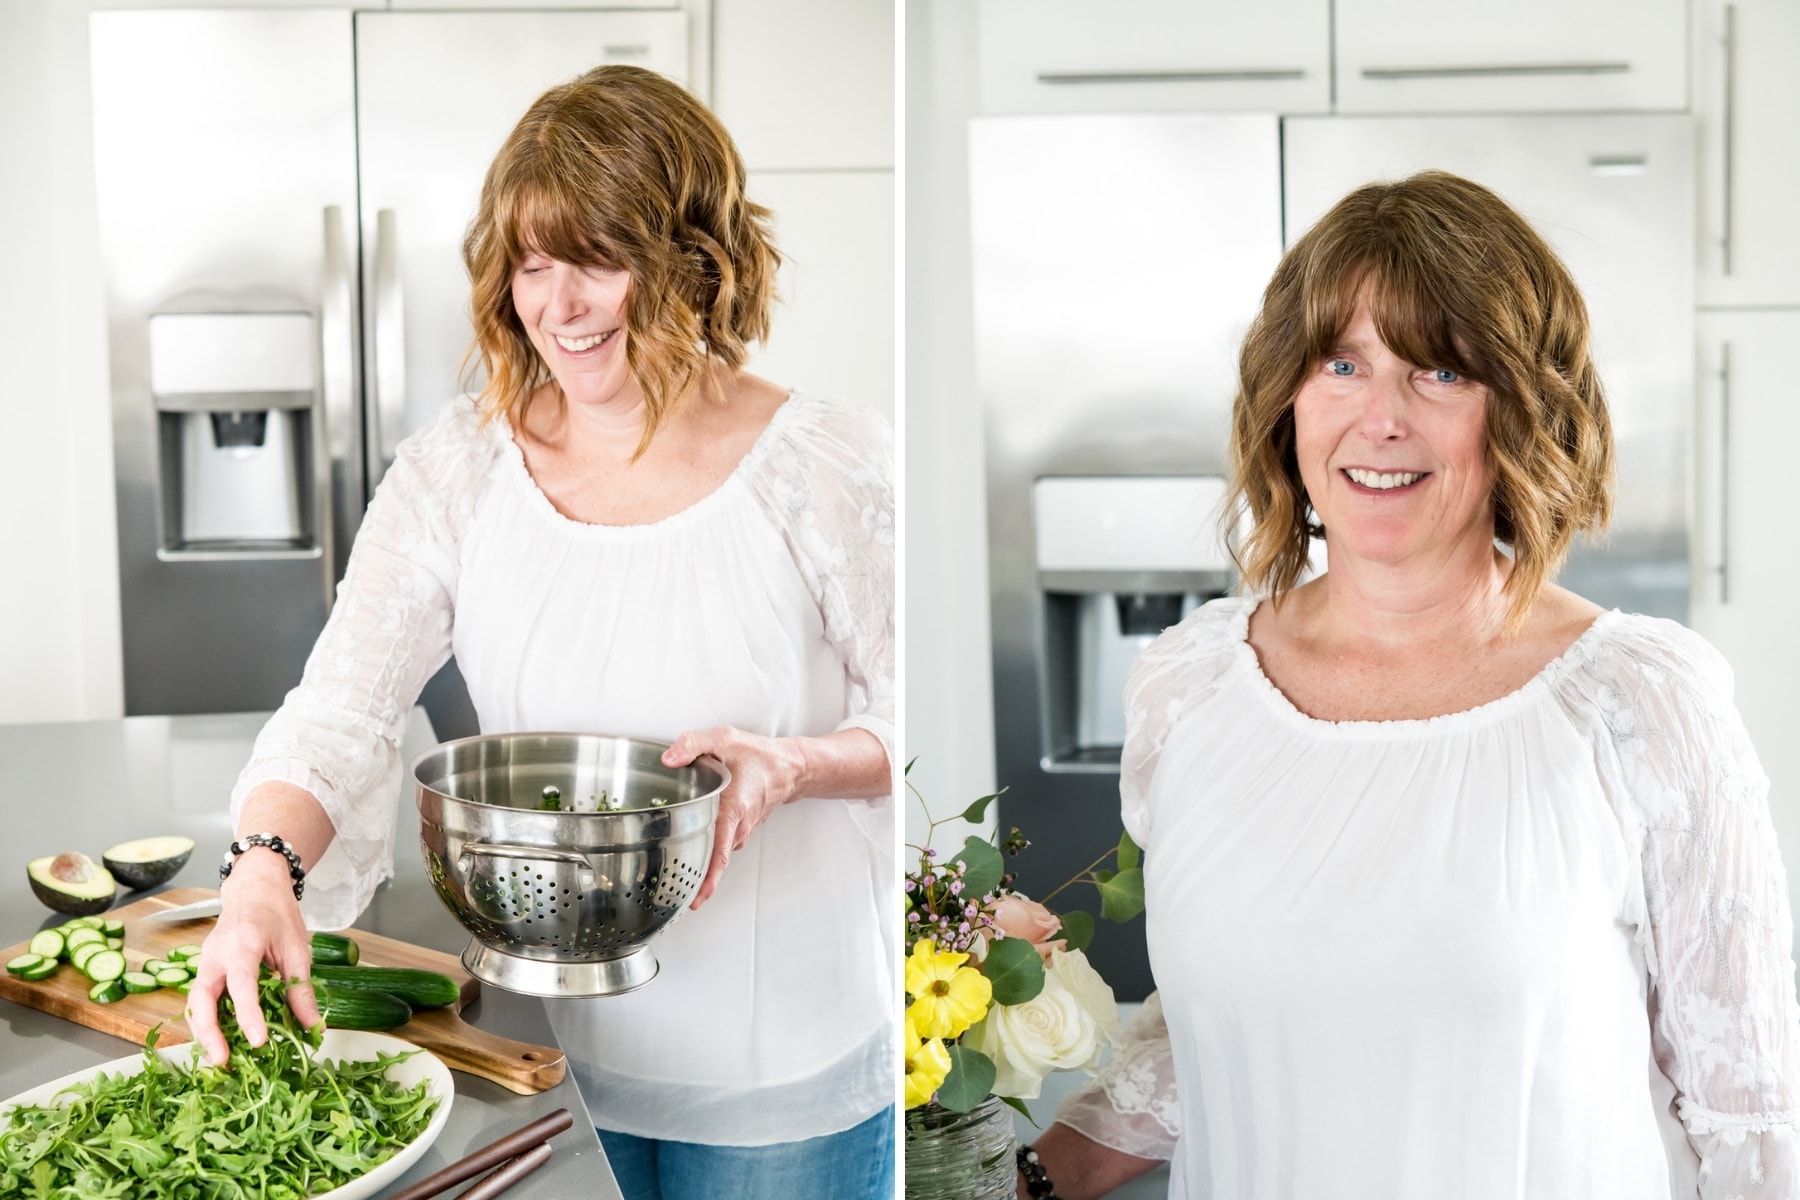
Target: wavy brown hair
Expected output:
[623,168]
[1453,278]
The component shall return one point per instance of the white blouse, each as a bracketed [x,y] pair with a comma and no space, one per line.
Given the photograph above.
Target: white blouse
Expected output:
[767,605]
[1538,949]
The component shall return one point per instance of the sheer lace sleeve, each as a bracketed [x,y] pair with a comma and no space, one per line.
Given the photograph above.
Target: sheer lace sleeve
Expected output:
[1131,1105]
[1174,674]
[1715,928]
[338,734]
[828,480]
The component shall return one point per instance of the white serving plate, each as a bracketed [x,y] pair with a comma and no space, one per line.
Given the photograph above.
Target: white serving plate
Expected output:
[340,1045]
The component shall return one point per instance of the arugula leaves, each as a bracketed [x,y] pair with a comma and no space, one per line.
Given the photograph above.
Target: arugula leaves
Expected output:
[272,1123]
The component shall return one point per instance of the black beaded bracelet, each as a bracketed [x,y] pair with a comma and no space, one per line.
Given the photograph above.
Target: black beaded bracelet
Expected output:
[296,872]
[1037,1180]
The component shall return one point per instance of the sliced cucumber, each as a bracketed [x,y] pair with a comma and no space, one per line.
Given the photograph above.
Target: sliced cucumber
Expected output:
[87,922]
[184,986]
[82,936]
[45,968]
[137,981]
[181,954]
[106,991]
[172,977]
[78,957]
[105,966]
[115,943]
[23,963]
[153,965]
[112,927]
[47,943]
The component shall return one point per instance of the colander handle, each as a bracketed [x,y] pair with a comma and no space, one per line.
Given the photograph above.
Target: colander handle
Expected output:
[540,854]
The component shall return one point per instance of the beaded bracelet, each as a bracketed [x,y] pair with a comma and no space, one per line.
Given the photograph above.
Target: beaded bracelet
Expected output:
[273,842]
[1037,1180]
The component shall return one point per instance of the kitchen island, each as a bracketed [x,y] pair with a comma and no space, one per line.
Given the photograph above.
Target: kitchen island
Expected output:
[88,785]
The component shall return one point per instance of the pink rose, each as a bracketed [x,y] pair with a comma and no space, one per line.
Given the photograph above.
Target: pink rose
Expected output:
[1015,916]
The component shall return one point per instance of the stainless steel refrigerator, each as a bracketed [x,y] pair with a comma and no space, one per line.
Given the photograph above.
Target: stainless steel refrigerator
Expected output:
[282,199]
[1118,260]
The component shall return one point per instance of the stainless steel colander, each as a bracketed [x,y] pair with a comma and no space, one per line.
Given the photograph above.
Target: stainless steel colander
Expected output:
[563,853]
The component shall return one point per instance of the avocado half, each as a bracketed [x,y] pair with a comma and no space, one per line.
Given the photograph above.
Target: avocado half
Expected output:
[146,862]
[71,883]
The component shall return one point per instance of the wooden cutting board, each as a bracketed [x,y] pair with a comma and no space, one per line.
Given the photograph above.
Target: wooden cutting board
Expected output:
[517,1066]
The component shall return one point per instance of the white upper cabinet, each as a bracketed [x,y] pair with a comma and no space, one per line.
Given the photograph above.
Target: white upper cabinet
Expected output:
[1748,94]
[1155,56]
[806,84]
[1466,56]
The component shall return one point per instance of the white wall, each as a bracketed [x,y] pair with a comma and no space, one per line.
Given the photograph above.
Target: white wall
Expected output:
[949,724]
[59,603]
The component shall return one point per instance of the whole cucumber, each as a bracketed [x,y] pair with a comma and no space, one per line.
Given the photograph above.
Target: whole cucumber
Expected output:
[421,989]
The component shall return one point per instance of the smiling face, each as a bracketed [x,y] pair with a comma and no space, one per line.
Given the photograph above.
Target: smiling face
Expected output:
[1393,454]
[575,317]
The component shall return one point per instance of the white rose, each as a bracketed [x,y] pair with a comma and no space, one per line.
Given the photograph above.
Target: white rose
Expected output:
[1064,1028]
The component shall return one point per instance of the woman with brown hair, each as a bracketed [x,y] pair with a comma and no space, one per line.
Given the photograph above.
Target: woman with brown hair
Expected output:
[1456,884]
[625,531]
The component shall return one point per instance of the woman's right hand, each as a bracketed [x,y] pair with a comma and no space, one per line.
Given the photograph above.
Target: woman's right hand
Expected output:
[259,923]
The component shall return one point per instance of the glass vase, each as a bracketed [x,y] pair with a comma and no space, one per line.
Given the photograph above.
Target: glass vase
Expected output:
[960,1156]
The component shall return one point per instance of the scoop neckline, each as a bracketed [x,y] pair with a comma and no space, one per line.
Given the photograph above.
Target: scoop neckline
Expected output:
[515,456]
[1533,689]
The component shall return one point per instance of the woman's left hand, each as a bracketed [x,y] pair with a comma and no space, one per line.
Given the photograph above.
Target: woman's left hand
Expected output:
[766,772]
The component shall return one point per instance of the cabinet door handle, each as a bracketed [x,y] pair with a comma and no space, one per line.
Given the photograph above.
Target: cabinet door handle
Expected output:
[1725,473]
[389,408]
[1059,78]
[1728,134]
[1497,70]
[334,425]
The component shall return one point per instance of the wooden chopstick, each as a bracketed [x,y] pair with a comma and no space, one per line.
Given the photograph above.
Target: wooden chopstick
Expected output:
[492,1155]
[510,1172]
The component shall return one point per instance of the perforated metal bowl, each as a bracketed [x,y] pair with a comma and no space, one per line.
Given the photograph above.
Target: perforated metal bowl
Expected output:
[563,853]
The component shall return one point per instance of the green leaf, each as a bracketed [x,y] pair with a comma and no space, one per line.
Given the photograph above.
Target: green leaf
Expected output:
[1015,969]
[1018,1105]
[1129,854]
[1077,929]
[1122,896]
[978,810]
[1104,876]
[909,764]
[985,867]
[970,1080]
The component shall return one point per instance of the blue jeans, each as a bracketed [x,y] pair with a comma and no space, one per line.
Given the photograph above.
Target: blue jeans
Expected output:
[857,1164]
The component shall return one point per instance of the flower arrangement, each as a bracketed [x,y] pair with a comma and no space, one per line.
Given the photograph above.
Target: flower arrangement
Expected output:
[999,991]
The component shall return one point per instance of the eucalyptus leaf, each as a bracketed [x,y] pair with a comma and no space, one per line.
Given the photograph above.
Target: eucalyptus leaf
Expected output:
[978,810]
[1077,929]
[970,1080]
[1122,896]
[984,867]
[1018,1106]
[1015,969]
[1129,854]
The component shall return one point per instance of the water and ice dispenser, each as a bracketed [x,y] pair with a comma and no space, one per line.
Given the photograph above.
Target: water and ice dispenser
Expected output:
[1118,560]
[238,432]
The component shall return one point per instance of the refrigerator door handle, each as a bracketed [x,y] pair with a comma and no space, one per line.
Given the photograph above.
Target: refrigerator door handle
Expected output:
[1725,473]
[334,416]
[1728,135]
[1497,70]
[388,413]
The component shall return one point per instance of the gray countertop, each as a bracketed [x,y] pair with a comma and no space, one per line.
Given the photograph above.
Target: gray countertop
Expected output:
[87,785]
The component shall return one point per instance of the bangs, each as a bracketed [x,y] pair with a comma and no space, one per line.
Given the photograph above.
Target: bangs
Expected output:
[537,214]
[1423,324]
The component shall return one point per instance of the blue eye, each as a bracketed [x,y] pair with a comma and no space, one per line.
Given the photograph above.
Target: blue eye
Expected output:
[1446,376]
[1340,367]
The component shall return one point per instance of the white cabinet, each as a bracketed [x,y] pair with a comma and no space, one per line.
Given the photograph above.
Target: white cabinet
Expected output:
[1155,56]
[1452,56]
[833,332]
[806,84]
[1746,572]
[1748,94]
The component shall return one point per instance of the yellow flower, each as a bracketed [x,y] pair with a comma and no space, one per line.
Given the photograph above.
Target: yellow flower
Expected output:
[947,996]
[927,1063]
